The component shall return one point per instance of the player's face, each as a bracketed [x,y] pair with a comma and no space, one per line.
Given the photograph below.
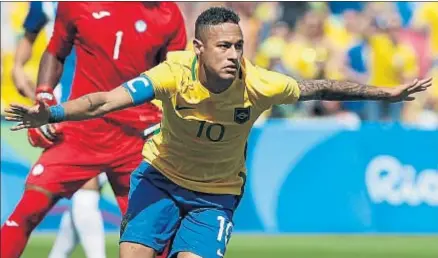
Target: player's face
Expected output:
[222,50]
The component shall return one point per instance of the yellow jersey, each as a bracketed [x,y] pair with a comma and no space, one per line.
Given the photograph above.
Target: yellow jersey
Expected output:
[426,15]
[202,142]
[390,62]
[302,58]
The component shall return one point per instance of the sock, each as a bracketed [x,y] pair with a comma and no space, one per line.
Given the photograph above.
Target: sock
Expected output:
[66,239]
[29,212]
[88,222]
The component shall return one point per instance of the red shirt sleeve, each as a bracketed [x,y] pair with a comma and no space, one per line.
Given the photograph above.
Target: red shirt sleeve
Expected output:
[179,38]
[64,31]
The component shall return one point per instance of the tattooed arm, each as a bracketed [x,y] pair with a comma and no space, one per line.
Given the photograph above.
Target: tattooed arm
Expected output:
[134,92]
[97,104]
[345,90]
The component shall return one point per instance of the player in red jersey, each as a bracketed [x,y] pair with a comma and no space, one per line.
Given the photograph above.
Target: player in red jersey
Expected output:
[114,42]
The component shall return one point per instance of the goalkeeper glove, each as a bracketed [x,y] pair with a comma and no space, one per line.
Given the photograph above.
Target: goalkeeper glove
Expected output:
[47,135]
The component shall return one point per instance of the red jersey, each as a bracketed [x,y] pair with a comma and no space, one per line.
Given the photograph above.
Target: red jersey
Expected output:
[115,42]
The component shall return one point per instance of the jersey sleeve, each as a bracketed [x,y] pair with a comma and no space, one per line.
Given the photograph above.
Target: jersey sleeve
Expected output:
[64,31]
[163,79]
[272,88]
[36,19]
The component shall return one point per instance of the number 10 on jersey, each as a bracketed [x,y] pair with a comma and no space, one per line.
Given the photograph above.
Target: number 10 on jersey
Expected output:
[208,131]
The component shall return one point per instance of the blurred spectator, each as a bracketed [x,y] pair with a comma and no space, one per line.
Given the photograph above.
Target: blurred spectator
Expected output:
[425,19]
[273,47]
[308,49]
[12,16]
[268,13]
[337,7]
[293,11]
[249,23]
[381,59]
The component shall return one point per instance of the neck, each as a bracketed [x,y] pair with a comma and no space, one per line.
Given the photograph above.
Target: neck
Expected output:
[212,82]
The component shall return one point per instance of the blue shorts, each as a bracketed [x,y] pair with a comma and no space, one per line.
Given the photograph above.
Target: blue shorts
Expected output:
[160,211]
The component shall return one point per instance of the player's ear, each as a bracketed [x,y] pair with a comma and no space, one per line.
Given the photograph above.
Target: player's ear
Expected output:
[197,45]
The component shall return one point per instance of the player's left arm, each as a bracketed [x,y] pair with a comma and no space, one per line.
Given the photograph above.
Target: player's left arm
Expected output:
[346,90]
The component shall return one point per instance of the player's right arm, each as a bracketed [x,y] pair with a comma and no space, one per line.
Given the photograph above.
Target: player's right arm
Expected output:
[50,70]
[60,45]
[33,24]
[157,83]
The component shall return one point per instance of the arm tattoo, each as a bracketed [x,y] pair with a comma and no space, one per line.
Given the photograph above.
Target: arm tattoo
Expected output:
[339,90]
[90,103]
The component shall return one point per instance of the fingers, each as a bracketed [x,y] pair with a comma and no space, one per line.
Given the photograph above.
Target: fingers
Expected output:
[14,118]
[411,85]
[19,107]
[21,125]
[420,85]
[426,81]
[12,113]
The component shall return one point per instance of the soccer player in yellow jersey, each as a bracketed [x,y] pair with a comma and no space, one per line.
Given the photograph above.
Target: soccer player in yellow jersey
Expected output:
[193,173]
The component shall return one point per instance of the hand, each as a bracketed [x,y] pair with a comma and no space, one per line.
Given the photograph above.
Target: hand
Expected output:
[405,92]
[28,117]
[48,135]
[25,86]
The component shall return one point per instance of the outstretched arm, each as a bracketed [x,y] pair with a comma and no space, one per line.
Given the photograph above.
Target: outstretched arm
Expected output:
[95,105]
[131,93]
[346,90]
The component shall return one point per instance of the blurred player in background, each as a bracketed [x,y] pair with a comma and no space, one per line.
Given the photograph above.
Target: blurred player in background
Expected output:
[110,48]
[84,221]
[193,174]
[7,42]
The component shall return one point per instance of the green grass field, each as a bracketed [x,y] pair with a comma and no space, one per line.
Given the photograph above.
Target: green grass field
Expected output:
[248,246]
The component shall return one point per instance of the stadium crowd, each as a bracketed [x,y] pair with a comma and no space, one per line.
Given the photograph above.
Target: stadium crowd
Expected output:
[379,43]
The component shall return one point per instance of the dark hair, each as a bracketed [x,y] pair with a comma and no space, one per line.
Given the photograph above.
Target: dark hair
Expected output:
[215,16]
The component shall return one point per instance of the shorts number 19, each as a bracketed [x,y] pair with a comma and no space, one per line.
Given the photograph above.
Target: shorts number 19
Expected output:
[223,229]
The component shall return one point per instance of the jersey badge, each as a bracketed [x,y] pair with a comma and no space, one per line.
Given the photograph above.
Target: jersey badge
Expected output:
[242,115]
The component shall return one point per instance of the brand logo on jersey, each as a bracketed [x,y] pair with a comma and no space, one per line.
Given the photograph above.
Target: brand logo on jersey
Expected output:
[141,26]
[11,223]
[100,15]
[37,170]
[242,115]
